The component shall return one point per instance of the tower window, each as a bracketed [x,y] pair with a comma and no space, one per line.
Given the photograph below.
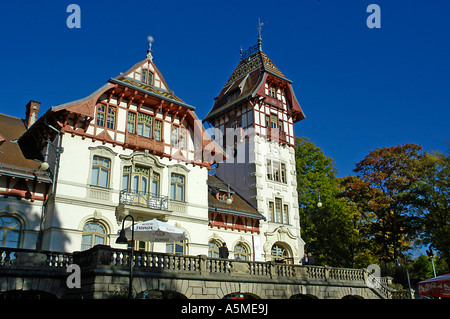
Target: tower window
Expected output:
[273,92]
[276,171]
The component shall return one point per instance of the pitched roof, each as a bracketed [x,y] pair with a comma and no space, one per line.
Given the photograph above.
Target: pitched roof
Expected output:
[248,77]
[239,206]
[12,160]
[162,90]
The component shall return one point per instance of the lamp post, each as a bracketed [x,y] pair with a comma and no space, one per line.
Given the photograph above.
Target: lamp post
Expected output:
[122,239]
[58,149]
[398,264]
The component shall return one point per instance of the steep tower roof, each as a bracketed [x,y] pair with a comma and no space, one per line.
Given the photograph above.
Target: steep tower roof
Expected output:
[247,83]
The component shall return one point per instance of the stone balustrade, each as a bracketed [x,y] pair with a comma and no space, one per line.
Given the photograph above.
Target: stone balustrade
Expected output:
[102,262]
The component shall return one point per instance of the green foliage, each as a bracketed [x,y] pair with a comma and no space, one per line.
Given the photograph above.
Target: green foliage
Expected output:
[433,201]
[399,197]
[329,232]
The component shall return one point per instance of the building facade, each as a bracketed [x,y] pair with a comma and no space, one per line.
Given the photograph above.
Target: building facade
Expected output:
[69,177]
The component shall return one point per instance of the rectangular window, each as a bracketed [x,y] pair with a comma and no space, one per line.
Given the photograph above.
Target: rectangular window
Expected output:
[271,211]
[158,130]
[278,216]
[283,173]
[100,171]
[269,169]
[111,119]
[155,184]
[131,124]
[267,121]
[177,187]
[273,121]
[276,171]
[101,115]
[285,214]
[144,76]
[273,92]
[126,177]
[182,137]
[175,136]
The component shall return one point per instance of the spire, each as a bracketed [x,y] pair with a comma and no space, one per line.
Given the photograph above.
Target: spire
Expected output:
[259,27]
[149,51]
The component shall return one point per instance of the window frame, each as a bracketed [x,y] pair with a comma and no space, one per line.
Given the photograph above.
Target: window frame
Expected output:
[174,196]
[5,229]
[278,211]
[106,116]
[93,234]
[100,168]
[276,171]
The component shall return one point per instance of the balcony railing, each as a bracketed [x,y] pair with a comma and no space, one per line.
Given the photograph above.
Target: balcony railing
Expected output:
[146,200]
[276,135]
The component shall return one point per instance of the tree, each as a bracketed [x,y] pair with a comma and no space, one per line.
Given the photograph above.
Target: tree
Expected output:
[328,231]
[384,192]
[433,200]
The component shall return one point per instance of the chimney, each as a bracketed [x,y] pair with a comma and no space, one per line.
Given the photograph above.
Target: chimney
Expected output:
[31,112]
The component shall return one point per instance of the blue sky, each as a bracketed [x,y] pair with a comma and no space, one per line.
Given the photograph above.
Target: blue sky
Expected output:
[360,88]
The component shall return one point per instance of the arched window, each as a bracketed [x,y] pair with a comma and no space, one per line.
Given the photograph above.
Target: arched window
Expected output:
[213,250]
[9,232]
[280,253]
[93,234]
[241,252]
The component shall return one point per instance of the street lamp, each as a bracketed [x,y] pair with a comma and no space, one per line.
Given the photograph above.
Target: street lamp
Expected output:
[398,264]
[319,203]
[431,253]
[122,239]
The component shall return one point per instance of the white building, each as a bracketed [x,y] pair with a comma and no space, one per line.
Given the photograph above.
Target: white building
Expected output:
[133,147]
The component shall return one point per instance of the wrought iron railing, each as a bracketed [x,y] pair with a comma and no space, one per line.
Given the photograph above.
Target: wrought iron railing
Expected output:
[147,200]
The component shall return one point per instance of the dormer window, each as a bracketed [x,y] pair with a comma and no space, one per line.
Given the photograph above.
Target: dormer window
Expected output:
[233,94]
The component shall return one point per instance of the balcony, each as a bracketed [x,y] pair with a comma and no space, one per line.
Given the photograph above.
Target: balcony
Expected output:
[143,205]
[275,134]
[140,142]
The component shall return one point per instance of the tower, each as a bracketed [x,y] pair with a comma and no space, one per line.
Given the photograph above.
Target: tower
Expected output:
[253,119]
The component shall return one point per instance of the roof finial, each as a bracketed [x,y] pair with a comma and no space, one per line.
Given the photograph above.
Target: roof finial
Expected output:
[149,51]
[259,27]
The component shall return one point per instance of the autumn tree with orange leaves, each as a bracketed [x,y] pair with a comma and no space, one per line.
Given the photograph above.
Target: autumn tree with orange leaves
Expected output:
[384,192]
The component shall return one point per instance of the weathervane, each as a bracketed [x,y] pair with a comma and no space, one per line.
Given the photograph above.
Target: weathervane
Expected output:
[255,48]
[149,51]
[259,27]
